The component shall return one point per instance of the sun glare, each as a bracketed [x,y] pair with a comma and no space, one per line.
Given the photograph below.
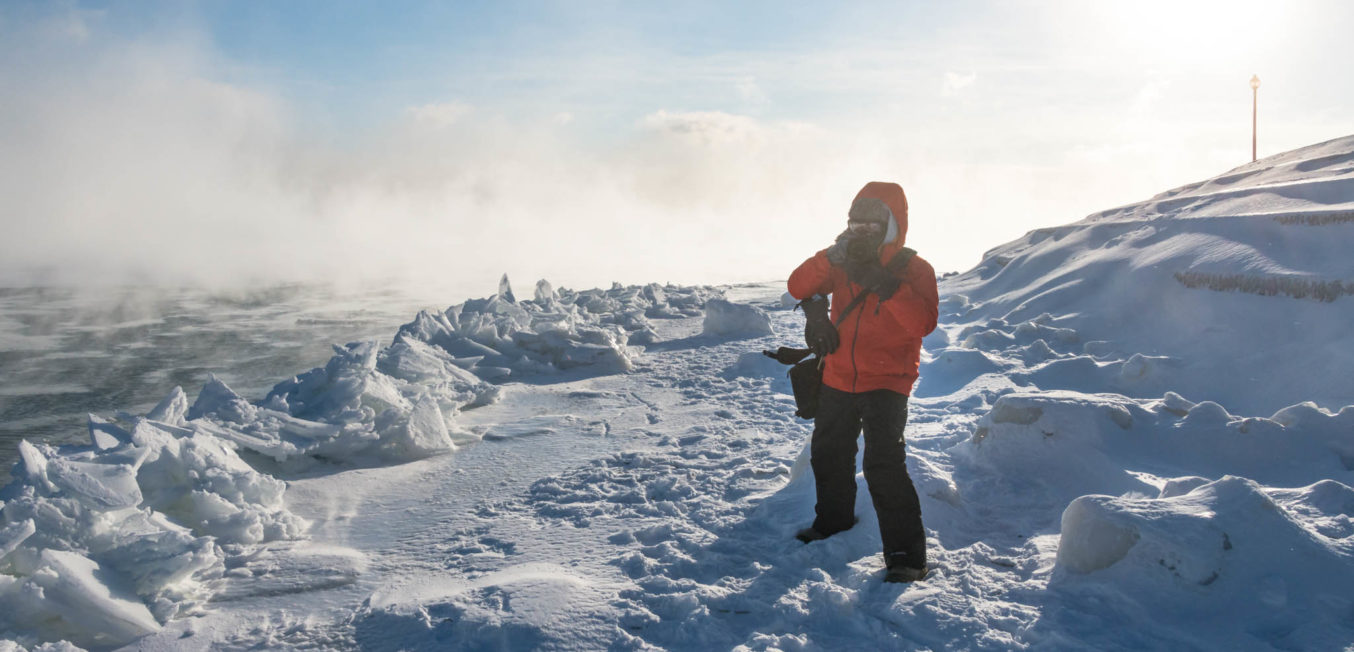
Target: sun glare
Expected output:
[1193,33]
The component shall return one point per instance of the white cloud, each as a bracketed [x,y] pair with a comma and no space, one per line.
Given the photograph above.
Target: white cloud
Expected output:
[705,126]
[955,82]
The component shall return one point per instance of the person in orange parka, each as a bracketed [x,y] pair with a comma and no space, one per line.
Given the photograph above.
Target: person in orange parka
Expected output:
[871,361]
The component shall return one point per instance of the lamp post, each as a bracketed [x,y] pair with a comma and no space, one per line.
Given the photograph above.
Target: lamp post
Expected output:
[1255,98]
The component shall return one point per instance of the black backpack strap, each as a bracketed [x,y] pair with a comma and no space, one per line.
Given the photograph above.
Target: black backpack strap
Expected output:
[849,307]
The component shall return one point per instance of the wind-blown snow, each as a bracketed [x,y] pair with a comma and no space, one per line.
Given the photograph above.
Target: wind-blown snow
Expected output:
[1130,432]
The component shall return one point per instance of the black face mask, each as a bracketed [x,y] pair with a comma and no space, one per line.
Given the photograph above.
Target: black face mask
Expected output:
[864,247]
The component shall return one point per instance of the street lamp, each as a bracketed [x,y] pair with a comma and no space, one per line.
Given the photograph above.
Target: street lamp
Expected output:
[1255,95]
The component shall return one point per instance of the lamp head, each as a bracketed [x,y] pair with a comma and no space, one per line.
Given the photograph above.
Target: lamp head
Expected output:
[1255,82]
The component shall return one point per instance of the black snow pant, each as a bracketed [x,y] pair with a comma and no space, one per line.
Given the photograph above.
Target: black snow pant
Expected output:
[883,414]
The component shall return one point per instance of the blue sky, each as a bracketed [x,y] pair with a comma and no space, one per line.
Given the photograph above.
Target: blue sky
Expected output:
[513,127]
[604,61]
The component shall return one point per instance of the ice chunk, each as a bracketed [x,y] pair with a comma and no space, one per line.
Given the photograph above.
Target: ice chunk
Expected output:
[423,433]
[505,290]
[173,409]
[14,534]
[174,571]
[203,484]
[104,434]
[727,319]
[217,398]
[347,389]
[545,293]
[69,597]
[359,406]
[99,485]
[33,465]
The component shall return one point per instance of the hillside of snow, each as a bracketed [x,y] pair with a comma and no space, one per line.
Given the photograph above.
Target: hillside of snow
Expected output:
[1131,432]
[1229,289]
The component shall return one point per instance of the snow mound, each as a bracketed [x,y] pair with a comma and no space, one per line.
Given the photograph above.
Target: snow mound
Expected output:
[951,369]
[1279,560]
[1056,446]
[1046,448]
[533,606]
[728,319]
[755,364]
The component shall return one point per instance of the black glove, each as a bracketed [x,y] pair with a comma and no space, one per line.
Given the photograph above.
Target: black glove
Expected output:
[819,333]
[854,249]
[836,254]
[874,278]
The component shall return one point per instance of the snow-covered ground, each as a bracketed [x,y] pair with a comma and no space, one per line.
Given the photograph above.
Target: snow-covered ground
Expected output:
[1130,432]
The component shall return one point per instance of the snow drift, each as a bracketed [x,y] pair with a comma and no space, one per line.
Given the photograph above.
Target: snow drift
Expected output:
[1231,283]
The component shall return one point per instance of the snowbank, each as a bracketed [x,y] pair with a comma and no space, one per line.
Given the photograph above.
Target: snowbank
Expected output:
[1118,372]
[1047,448]
[1232,288]
[1278,560]
[728,319]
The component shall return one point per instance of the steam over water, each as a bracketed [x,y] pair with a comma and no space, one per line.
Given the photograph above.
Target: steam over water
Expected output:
[67,352]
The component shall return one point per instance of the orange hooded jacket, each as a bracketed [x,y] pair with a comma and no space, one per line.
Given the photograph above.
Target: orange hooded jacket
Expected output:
[880,340]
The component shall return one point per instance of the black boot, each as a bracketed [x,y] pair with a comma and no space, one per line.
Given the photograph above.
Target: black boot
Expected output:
[809,535]
[903,569]
[905,574]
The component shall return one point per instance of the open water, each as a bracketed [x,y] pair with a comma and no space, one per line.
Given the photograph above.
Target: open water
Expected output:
[67,352]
